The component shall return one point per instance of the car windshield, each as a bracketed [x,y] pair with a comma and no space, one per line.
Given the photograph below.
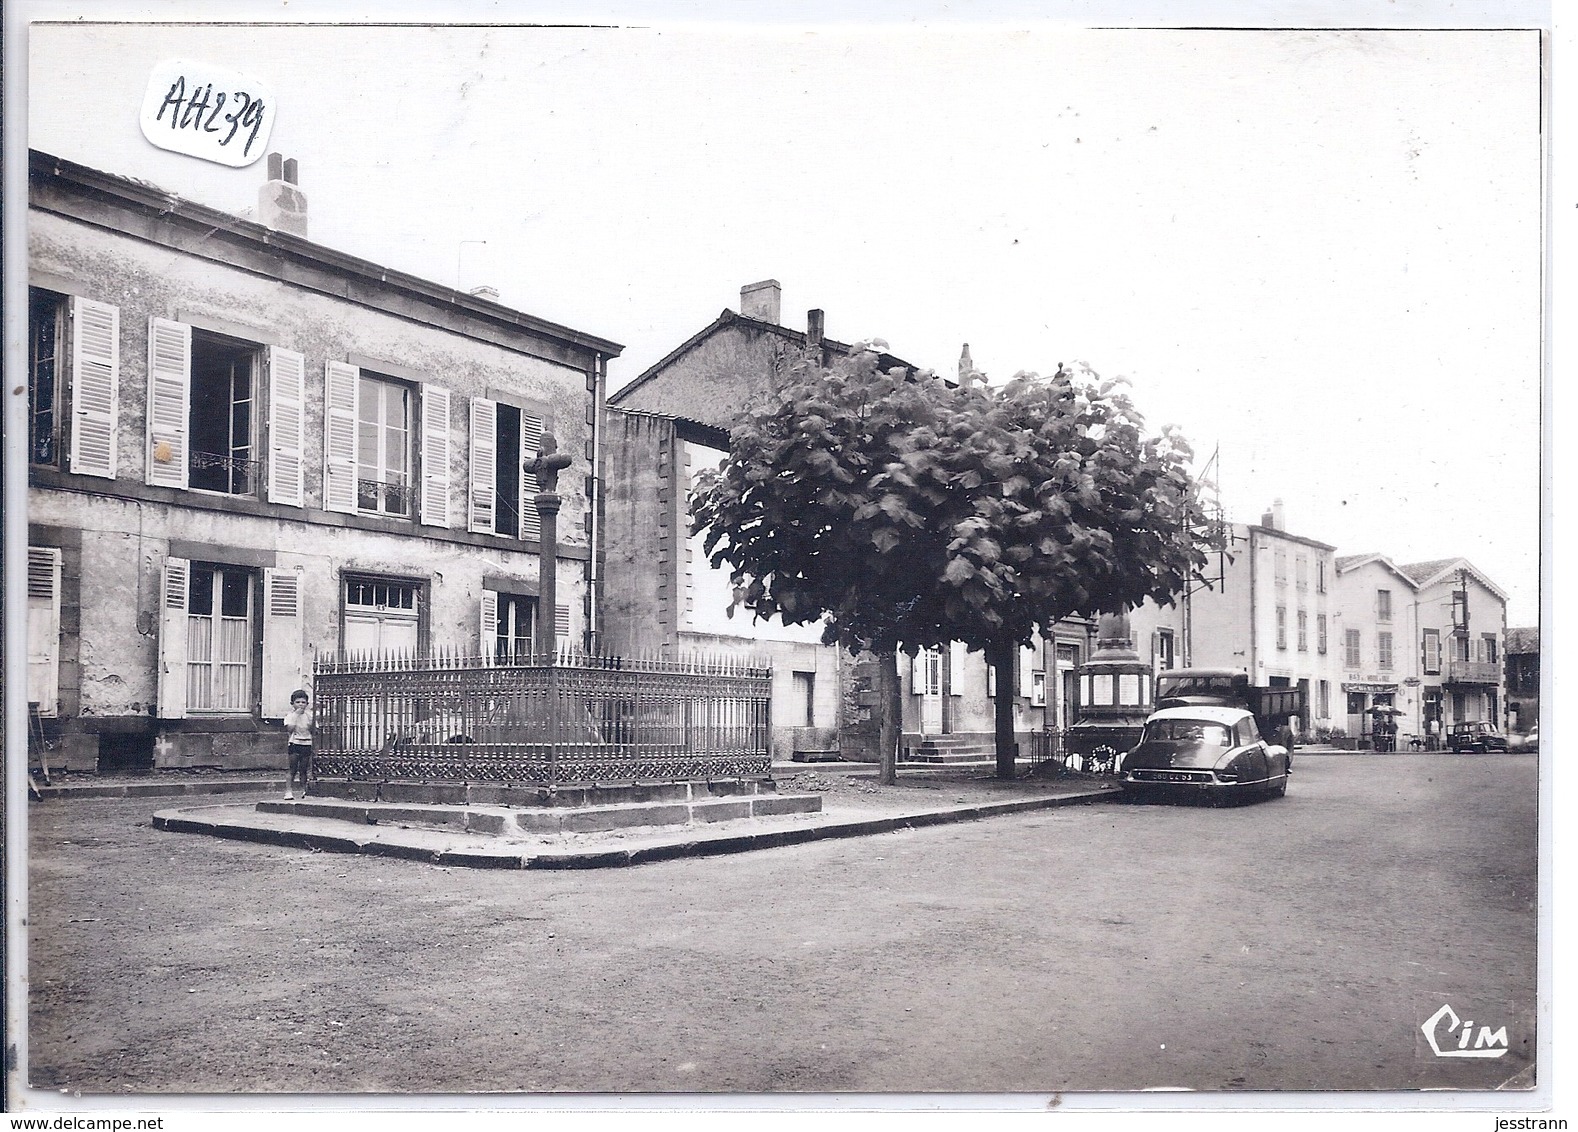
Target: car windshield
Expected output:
[1187,731]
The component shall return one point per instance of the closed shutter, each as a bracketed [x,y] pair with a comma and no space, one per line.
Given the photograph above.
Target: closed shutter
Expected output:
[172,638]
[561,621]
[918,673]
[435,456]
[1029,662]
[287,395]
[43,628]
[340,391]
[483,501]
[169,399]
[531,443]
[956,654]
[284,641]
[490,625]
[95,386]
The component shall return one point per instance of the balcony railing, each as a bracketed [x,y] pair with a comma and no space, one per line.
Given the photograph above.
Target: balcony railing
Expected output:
[1471,672]
[567,718]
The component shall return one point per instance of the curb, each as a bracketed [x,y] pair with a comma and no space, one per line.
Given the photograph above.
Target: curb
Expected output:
[176,821]
[162,789]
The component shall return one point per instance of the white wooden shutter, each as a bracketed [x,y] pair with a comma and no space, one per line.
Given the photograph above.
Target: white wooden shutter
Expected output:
[95,386]
[490,625]
[918,673]
[483,502]
[956,654]
[561,621]
[341,385]
[169,400]
[43,628]
[172,638]
[284,641]
[1027,666]
[531,444]
[287,396]
[435,456]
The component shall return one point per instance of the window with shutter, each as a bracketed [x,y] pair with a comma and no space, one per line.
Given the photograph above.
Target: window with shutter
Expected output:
[341,425]
[435,456]
[285,664]
[43,628]
[512,624]
[531,442]
[287,396]
[1029,663]
[222,426]
[173,639]
[219,638]
[489,637]
[956,664]
[95,386]
[169,402]
[46,321]
[484,469]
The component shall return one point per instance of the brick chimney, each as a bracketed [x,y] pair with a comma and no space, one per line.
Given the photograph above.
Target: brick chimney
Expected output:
[814,320]
[281,205]
[761,300]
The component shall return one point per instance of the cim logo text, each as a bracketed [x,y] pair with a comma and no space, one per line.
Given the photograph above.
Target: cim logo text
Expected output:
[1457,1038]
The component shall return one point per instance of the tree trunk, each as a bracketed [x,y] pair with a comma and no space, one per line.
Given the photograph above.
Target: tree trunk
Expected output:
[1000,655]
[889,715]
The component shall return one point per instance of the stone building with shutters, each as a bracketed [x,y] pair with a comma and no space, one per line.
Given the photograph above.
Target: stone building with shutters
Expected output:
[669,423]
[246,449]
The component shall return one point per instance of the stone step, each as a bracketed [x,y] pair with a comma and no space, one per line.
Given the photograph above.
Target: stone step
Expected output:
[513,795]
[505,821]
[948,758]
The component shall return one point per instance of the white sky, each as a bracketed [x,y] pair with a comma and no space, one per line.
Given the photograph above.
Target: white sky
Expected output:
[1321,250]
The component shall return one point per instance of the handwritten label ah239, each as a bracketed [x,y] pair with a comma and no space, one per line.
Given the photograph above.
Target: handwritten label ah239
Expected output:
[207,112]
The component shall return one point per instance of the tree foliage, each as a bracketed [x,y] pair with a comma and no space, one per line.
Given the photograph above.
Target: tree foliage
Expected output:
[909,511]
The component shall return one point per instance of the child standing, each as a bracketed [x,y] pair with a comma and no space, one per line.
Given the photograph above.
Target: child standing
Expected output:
[298,741]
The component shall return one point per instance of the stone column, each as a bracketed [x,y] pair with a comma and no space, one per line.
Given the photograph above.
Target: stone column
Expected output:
[546,466]
[548,574]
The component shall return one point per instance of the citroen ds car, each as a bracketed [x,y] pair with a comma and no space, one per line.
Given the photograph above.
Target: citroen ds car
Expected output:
[1206,750]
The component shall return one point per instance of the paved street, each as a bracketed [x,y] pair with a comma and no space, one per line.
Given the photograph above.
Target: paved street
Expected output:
[1292,945]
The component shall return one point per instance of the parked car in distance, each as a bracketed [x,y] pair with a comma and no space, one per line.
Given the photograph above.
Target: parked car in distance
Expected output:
[1526,742]
[1202,749]
[1478,736]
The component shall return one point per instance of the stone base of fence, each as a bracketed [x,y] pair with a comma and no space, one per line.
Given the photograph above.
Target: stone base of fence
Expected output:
[484,794]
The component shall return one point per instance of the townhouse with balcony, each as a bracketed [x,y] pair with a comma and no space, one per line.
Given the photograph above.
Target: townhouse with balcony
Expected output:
[1462,624]
[246,449]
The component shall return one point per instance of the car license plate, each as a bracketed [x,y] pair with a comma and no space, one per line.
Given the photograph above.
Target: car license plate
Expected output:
[1175,776]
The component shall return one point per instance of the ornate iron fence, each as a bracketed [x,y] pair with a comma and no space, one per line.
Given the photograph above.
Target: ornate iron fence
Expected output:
[567,718]
[1078,750]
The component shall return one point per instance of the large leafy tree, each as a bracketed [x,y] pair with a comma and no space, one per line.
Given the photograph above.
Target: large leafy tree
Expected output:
[909,512]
